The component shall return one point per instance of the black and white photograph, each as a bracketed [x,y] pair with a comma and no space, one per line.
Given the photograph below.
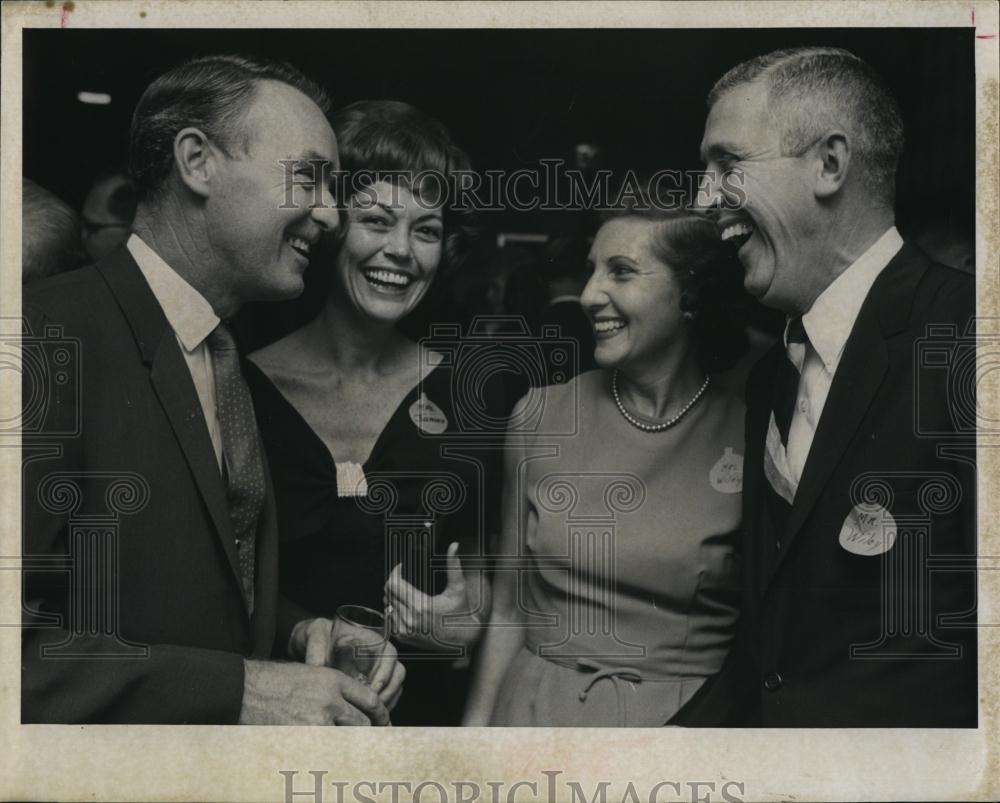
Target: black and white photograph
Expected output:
[597,399]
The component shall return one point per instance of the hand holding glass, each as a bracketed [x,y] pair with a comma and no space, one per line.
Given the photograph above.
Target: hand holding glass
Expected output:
[359,641]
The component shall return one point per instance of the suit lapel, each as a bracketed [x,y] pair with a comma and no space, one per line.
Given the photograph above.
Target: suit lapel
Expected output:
[859,375]
[172,383]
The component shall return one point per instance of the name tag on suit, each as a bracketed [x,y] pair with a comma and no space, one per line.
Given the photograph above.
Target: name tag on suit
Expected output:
[868,529]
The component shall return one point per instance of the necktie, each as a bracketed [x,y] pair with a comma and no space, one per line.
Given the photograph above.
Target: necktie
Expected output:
[241,451]
[786,386]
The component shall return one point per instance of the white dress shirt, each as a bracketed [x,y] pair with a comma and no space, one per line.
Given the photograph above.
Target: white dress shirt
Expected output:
[192,319]
[828,324]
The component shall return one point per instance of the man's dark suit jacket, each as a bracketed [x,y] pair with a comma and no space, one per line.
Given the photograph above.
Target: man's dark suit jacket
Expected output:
[831,638]
[176,652]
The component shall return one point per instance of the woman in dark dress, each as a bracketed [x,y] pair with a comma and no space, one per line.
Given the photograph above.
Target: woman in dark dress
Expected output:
[378,487]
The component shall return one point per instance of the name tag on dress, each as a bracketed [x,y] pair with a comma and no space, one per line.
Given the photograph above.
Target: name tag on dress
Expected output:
[726,475]
[428,416]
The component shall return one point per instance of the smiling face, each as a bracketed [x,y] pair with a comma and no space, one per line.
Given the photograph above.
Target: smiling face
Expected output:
[261,248]
[775,229]
[390,253]
[632,298]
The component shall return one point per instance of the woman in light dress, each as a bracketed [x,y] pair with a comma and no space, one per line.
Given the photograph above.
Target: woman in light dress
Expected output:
[618,594]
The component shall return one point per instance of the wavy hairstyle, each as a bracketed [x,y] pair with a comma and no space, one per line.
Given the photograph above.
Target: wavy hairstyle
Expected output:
[396,141]
[709,274]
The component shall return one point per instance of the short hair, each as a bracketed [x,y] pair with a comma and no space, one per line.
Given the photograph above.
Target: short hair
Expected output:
[50,234]
[813,89]
[212,94]
[708,272]
[389,136]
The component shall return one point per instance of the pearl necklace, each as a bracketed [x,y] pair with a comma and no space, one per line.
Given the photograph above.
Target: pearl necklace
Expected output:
[653,427]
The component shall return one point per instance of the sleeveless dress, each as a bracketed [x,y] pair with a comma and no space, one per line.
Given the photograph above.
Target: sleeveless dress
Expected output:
[631,580]
[428,481]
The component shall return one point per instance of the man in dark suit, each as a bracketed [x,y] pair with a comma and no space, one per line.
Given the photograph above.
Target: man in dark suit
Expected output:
[859,605]
[150,542]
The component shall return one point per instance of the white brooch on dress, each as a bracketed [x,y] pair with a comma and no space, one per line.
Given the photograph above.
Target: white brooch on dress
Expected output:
[351,480]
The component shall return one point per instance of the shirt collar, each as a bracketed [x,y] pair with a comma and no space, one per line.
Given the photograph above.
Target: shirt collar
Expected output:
[831,318]
[187,311]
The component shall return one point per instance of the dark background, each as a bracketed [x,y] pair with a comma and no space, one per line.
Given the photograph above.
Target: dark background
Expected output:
[511,97]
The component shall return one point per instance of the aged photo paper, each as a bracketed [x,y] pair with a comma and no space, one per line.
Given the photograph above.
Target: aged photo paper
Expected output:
[627,56]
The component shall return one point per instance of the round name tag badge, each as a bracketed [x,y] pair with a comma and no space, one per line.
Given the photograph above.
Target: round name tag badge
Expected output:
[868,530]
[726,475]
[427,416]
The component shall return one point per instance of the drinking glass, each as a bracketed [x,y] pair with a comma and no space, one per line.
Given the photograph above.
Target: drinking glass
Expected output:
[359,640]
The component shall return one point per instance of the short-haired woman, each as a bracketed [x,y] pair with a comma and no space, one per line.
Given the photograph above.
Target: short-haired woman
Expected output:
[358,420]
[622,599]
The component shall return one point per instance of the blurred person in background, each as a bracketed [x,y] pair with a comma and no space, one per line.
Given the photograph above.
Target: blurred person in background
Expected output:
[564,268]
[50,234]
[946,244]
[481,289]
[108,212]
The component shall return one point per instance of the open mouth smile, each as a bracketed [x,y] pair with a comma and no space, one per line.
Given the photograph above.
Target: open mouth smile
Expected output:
[608,327]
[737,234]
[299,245]
[387,280]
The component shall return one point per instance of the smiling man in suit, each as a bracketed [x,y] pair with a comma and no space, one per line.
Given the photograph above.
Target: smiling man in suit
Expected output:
[849,499]
[150,542]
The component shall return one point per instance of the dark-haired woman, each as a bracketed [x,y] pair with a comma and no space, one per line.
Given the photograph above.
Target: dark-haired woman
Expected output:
[628,528]
[376,494]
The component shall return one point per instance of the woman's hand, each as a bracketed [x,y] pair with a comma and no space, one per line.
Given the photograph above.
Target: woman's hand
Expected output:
[419,619]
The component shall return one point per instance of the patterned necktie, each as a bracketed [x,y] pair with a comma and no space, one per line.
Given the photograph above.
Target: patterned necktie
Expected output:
[241,451]
[786,385]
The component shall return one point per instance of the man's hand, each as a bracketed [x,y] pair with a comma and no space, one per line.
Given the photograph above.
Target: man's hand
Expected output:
[418,618]
[279,693]
[312,642]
